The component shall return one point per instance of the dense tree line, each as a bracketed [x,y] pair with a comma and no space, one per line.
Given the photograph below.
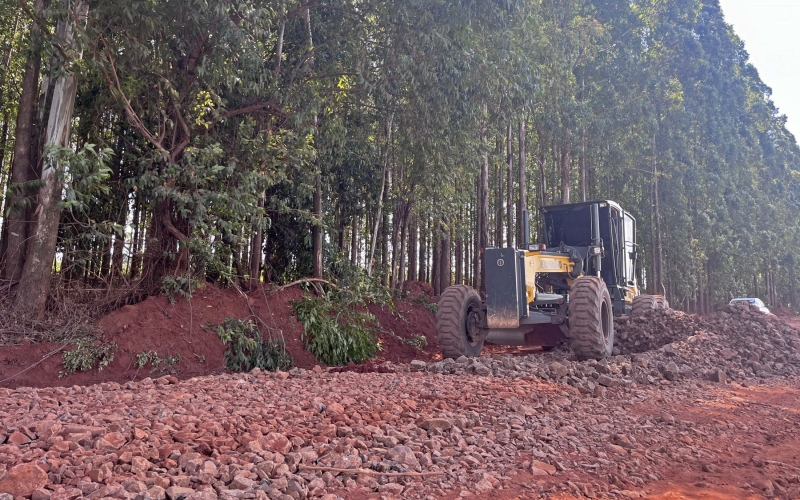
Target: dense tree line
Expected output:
[152,145]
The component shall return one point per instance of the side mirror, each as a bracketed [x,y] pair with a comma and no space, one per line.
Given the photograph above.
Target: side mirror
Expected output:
[633,254]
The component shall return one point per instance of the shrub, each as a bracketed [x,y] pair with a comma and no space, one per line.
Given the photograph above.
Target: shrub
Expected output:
[248,349]
[334,331]
[86,355]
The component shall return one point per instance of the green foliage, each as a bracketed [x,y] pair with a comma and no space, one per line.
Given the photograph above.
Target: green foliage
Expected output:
[425,302]
[88,354]
[156,362]
[219,139]
[179,285]
[335,332]
[416,341]
[248,349]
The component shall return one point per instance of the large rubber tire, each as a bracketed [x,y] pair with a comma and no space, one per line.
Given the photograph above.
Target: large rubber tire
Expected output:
[591,319]
[457,322]
[661,302]
[642,304]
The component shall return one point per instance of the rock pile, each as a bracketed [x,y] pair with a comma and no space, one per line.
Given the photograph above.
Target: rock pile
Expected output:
[416,431]
[738,343]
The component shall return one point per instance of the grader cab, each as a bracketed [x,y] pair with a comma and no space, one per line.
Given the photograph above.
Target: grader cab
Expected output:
[569,286]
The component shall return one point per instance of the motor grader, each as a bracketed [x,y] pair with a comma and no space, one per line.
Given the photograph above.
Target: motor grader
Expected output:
[569,286]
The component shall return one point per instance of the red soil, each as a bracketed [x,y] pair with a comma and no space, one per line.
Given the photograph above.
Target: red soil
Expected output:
[177,330]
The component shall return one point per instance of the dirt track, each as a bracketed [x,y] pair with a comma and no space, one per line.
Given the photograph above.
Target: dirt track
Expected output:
[537,426]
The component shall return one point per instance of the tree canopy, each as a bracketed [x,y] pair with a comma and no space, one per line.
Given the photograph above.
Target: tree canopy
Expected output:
[203,132]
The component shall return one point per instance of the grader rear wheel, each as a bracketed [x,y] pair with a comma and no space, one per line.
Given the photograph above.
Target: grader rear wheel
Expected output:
[642,304]
[457,322]
[591,320]
[661,302]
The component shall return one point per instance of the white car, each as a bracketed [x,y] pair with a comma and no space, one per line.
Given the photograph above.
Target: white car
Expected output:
[753,302]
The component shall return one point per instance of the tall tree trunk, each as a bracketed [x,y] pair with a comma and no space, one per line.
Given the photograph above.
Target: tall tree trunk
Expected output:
[383,189]
[483,208]
[659,262]
[423,249]
[460,250]
[4,132]
[385,249]
[412,248]
[583,165]
[566,166]
[395,259]
[498,205]
[522,203]
[23,169]
[403,248]
[436,241]
[34,286]
[257,247]
[138,236]
[445,274]
[509,187]
[354,241]
[542,167]
[316,230]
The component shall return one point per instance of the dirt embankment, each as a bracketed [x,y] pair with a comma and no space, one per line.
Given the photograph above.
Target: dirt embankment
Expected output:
[179,331]
[690,408]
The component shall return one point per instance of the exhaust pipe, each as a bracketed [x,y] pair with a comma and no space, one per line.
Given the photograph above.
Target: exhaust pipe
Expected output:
[595,209]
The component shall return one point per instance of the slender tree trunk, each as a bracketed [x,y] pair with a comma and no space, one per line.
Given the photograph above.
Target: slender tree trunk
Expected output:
[401,275]
[460,251]
[385,249]
[445,273]
[483,207]
[138,232]
[437,245]
[383,188]
[476,239]
[279,44]
[257,247]
[498,205]
[566,167]
[395,259]
[509,187]
[659,262]
[412,248]
[522,203]
[34,284]
[542,167]
[423,249]
[583,165]
[354,241]
[16,228]
[316,230]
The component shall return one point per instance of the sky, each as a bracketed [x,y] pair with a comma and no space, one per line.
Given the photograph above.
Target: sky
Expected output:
[771,33]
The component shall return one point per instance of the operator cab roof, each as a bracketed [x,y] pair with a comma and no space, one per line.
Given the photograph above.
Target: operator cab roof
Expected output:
[567,206]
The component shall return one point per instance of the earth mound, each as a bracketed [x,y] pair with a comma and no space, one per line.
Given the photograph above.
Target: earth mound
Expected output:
[178,333]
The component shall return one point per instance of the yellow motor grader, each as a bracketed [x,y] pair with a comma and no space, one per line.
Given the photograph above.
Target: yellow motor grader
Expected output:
[569,286]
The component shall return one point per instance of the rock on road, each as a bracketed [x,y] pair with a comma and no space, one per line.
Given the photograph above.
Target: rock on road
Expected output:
[491,435]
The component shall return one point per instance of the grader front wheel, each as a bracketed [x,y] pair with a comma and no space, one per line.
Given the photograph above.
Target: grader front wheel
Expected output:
[457,322]
[591,320]
[642,304]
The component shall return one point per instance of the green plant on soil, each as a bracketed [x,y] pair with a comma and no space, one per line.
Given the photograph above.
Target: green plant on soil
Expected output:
[417,341]
[171,286]
[88,354]
[155,361]
[335,331]
[248,349]
[425,302]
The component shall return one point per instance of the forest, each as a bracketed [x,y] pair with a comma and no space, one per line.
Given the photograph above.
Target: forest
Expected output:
[149,146]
